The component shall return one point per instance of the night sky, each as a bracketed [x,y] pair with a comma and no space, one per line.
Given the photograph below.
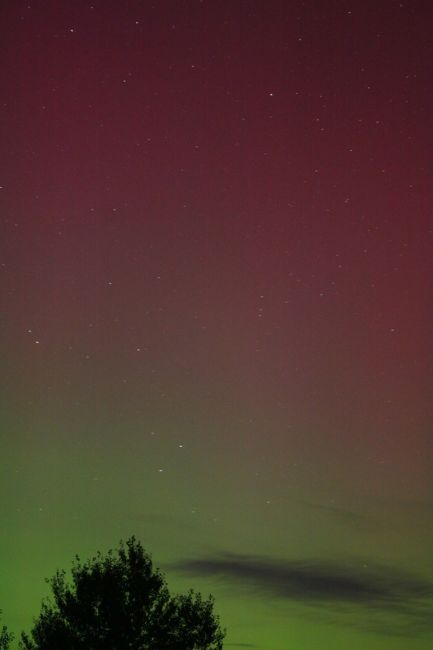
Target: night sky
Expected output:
[216,266]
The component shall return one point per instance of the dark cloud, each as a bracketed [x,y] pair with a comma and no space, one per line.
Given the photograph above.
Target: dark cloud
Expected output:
[384,591]
[316,580]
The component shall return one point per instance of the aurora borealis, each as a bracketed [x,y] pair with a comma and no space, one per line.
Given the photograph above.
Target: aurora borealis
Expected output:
[216,262]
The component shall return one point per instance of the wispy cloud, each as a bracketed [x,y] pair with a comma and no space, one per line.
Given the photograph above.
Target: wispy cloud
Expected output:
[385,592]
[342,516]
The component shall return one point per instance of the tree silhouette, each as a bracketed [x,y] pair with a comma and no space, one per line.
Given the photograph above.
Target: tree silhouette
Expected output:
[5,637]
[120,602]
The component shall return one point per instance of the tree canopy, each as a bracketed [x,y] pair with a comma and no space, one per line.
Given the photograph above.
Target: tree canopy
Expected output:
[118,601]
[5,637]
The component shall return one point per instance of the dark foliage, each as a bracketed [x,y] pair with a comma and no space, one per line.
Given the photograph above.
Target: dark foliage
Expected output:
[5,638]
[120,602]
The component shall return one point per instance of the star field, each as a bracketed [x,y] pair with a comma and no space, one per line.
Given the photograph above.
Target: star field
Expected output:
[216,319]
